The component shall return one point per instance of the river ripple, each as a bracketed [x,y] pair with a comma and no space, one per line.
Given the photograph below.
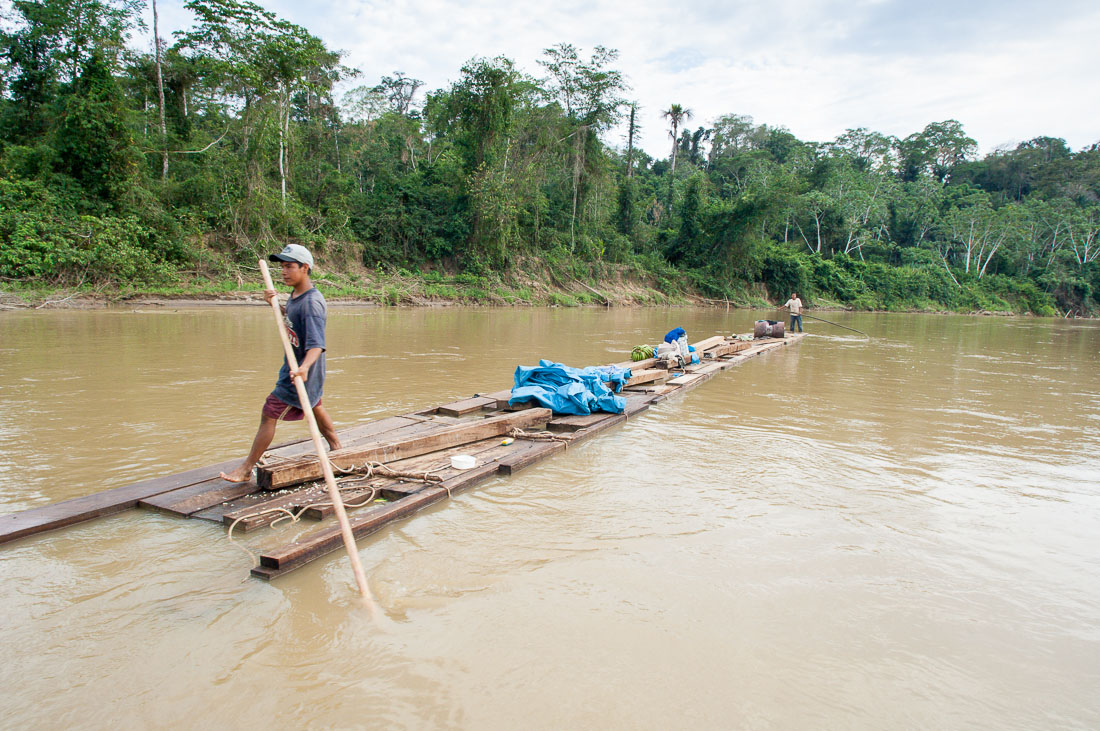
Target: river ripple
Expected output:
[891,533]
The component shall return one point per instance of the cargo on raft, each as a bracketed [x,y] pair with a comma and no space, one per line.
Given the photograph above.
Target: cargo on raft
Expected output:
[393,467]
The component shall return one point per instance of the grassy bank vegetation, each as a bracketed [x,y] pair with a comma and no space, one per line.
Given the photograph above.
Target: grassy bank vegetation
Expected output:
[169,172]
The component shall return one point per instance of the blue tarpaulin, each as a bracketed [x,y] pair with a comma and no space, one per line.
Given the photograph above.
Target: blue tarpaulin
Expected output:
[568,390]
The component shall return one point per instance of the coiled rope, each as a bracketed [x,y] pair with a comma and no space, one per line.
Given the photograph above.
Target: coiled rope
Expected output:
[365,472]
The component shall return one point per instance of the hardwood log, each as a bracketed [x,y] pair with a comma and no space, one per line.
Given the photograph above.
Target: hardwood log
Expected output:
[651,388]
[467,406]
[636,364]
[591,431]
[685,379]
[709,343]
[636,403]
[646,376]
[303,469]
[326,540]
[532,452]
[196,498]
[115,500]
[577,422]
[728,348]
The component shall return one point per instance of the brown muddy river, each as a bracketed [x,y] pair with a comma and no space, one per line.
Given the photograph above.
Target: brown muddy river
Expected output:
[887,534]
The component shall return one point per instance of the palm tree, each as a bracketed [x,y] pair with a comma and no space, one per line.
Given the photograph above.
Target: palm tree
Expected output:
[676,115]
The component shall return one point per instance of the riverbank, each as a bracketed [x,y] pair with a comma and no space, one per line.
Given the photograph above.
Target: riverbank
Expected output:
[355,290]
[402,295]
[535,282]
[537,287]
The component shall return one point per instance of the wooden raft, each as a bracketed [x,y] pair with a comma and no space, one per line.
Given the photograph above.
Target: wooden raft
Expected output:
[418,446]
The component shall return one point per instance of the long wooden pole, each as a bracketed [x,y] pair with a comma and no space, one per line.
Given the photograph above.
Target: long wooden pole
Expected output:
[318,443]
[837,324]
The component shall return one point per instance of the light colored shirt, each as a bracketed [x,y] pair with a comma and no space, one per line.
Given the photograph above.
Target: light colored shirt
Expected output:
[795,306]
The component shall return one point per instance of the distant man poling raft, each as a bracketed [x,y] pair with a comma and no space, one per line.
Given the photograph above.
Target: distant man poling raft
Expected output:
[794,306]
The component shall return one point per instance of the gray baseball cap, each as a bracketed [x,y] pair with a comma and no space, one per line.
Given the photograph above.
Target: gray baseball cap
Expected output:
[294,252]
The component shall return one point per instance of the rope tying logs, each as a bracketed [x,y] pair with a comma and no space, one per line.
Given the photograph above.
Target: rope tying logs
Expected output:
[538,436]
[364,473]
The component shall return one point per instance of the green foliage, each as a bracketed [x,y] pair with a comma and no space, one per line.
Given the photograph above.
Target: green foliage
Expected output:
[495,171]
[42,240]
[784,271]
[93,142]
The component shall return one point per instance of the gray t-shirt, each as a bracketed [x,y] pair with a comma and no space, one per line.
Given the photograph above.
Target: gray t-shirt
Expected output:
[305,324]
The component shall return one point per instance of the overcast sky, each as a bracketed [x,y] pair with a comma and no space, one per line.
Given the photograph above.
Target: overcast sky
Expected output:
[1008,70]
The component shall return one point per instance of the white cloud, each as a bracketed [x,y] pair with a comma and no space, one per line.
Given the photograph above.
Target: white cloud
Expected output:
[1007,70]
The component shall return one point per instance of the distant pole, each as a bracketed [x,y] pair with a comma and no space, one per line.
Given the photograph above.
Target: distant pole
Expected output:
[830,322]
[318,443]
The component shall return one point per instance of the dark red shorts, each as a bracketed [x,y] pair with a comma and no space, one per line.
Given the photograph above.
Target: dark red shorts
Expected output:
[280,410]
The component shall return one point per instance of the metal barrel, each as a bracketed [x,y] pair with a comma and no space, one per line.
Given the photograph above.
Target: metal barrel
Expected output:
[767,328]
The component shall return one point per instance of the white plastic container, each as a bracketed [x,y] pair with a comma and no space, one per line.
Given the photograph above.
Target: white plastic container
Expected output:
[463,462]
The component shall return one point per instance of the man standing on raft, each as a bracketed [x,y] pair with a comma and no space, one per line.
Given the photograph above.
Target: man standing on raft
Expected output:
[304,315]
[794,304]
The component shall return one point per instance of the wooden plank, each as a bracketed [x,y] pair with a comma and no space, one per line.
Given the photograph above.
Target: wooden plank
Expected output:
[467,406]
[118,499]
[685,379]
[655,388]
[303,469]
[435,463]
[704,367]
[636,364]
[637,404]
[709,343]
[646,376]
[588,433]
[291,501]
[502,398]
[763,347]
[321,509]
[577,422]
[365,431]
[264,513]
[416,460]
[279,561]
[198,497]
[534,451]
[727,349]
[202,496]
[699,380]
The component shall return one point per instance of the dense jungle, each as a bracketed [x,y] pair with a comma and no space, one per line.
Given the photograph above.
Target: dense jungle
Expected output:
[169,170]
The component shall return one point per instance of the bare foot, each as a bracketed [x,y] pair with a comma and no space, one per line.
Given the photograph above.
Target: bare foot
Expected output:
[334,444]
[242,474]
